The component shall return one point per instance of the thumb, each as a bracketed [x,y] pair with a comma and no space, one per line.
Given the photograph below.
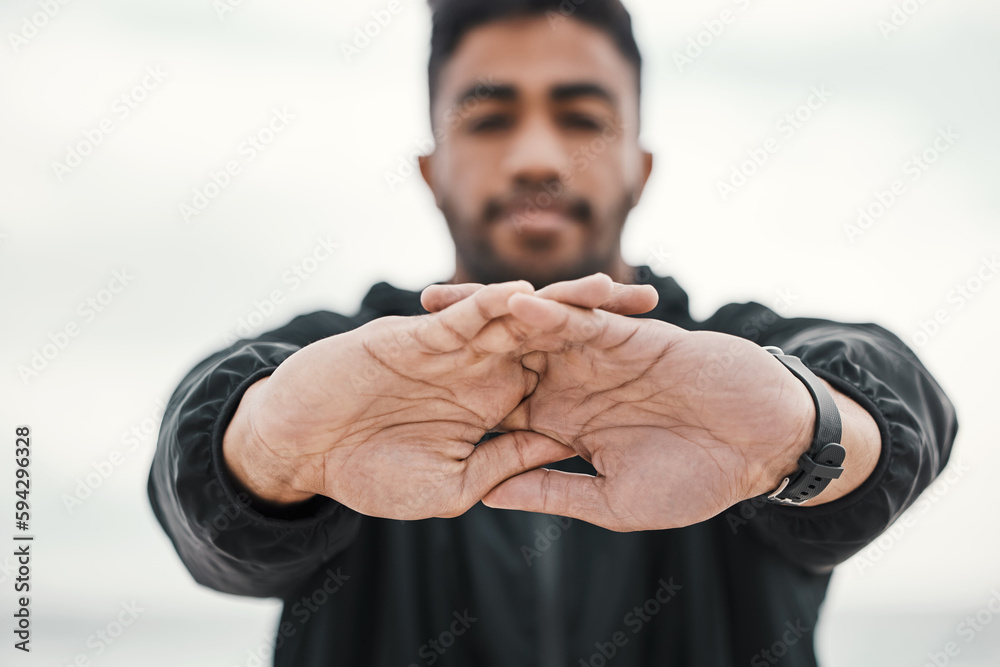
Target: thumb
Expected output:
[507,455]
[569,494]
[439,297]
[517,420]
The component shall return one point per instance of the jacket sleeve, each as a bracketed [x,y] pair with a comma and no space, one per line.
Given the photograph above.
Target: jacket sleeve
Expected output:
[916,420]
[224,539]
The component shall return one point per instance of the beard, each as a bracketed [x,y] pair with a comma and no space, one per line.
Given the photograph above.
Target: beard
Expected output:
[537,260]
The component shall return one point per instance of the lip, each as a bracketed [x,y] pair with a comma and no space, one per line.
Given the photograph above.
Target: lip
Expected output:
[538,220]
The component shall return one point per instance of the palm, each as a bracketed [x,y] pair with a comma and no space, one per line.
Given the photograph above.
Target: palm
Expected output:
[676,423]
[399,447]
[386,417]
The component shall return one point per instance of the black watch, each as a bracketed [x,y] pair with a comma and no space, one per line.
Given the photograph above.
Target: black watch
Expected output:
[825,458]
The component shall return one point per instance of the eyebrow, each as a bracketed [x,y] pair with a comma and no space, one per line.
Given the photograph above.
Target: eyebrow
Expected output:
[571,91]
[559,93]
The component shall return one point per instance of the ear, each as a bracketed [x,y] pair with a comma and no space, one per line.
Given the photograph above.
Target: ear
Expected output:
[645,169]
[427,172]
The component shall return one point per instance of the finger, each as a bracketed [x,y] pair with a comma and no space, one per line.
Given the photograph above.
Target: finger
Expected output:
[548,326]
[507,455]
[599,291]
[594,291]
[555,492]
[439,297]
[631,299]
[554,327]
[454,326]
[539,328]
[507,334]
[588,292]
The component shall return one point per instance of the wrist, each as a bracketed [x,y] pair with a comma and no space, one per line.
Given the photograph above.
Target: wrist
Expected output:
[823,461]
[785,460]
[252,465]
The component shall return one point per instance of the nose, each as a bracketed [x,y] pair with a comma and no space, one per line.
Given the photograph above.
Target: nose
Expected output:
[536,153]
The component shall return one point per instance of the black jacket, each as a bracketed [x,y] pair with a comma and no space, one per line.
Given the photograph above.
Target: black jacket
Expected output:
[516,589]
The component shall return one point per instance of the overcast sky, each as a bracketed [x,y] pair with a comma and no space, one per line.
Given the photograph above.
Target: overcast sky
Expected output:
[116,114]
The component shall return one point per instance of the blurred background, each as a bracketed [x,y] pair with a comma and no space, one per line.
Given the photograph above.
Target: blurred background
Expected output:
[124,261]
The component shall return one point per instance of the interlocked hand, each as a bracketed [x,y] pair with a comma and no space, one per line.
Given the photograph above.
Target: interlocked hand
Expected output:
[673,442]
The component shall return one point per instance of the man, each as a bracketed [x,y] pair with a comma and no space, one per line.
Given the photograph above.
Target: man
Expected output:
[339,462]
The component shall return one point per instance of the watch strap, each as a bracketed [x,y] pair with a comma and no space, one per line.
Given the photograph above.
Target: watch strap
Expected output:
[824,460]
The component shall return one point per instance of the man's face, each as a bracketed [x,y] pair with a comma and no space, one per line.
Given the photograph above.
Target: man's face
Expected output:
[537,161]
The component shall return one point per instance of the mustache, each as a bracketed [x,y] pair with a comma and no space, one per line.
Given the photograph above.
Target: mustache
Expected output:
[528,201]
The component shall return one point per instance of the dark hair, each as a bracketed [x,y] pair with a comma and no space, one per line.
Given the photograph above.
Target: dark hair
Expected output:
[453,18]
